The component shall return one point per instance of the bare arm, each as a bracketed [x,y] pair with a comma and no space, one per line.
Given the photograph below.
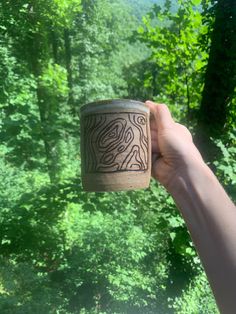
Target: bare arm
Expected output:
[208,211]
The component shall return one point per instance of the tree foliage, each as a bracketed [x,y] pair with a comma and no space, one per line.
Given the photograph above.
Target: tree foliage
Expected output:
[173,39]
[66,251]
[220,78]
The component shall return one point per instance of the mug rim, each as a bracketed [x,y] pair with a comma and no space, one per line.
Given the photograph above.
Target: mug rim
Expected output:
[118,103]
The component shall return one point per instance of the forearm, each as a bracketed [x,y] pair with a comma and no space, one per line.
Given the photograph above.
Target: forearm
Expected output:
[211,219]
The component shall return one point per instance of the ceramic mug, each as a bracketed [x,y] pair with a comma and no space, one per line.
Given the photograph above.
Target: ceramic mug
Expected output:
[115,145]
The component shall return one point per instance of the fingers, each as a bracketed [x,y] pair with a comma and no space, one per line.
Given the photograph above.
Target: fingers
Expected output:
[162,115]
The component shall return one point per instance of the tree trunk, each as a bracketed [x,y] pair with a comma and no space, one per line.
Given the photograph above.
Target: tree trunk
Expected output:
[54,46]
[68,58]
[44,110]
[220,77]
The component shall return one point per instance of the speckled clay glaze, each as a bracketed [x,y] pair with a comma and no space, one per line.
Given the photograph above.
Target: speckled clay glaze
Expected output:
[115,145]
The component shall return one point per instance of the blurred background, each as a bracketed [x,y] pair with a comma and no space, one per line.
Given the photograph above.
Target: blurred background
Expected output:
[64,251]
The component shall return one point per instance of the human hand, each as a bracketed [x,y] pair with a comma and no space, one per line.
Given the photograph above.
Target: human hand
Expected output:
[173,150]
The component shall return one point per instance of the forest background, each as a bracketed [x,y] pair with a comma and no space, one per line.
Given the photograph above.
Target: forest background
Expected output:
[65,251]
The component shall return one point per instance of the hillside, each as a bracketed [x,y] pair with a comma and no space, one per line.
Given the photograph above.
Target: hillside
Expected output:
[141,7]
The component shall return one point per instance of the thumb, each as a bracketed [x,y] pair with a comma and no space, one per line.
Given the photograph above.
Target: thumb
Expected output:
[161,114]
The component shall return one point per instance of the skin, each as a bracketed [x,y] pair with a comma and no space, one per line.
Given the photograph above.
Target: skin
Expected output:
[207,210]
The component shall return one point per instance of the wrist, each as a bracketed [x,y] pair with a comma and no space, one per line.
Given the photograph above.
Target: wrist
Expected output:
[193,173]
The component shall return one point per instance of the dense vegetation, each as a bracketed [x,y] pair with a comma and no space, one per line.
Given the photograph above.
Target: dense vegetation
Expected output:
[67,251]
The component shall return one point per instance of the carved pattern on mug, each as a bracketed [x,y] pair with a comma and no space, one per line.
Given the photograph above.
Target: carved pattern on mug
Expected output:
[115,144]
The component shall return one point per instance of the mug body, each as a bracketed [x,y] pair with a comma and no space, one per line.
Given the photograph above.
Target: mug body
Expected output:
[115,146]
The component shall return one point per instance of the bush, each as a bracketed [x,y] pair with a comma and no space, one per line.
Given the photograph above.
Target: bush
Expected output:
[196,298]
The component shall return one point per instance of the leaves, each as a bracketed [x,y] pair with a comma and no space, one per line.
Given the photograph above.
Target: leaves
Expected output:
[226,168]
[175,50]
[63,250]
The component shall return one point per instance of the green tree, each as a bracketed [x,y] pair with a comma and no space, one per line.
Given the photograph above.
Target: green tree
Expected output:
[218,105]
[172,37]
[220,77]
[102,50]
[63,250]
[33,28]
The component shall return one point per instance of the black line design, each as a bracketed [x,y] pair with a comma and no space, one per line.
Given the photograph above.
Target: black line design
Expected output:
[115,144]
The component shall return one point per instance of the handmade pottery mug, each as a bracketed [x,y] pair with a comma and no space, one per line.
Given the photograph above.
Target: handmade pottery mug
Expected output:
[115,145]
